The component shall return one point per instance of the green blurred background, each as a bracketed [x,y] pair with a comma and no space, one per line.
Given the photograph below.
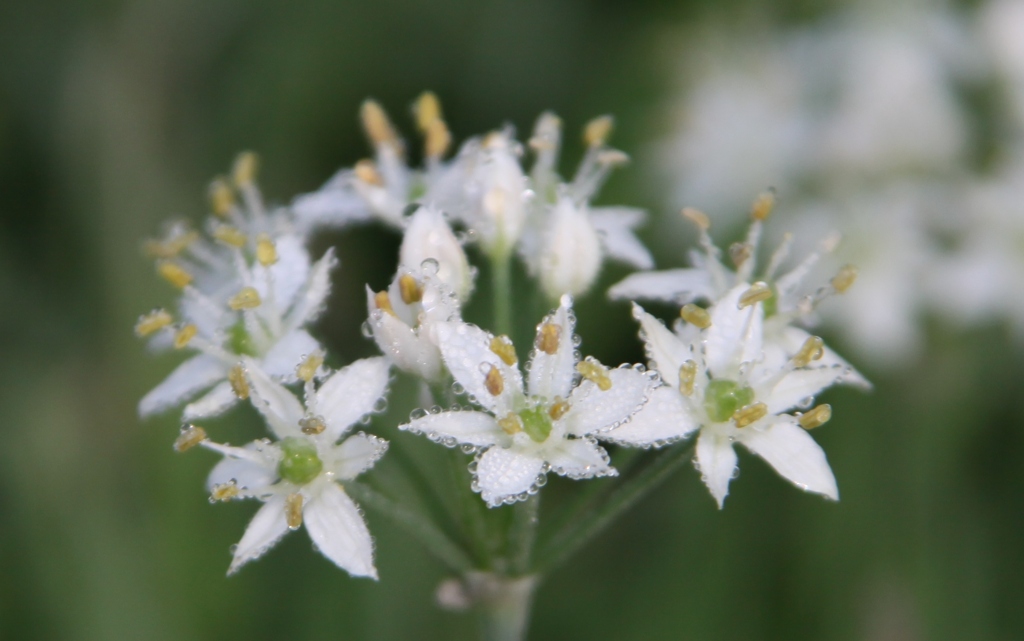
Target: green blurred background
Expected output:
[113,117]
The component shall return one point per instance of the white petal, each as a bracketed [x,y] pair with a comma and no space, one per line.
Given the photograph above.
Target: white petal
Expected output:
[506,475]
[551,375]
[214,402]
[351,393]
[580,459]
[665,350]
[614,226]
[289,273]
[594,410]
[798,388]
[570,257]
[339,532]
[717,462]
[335,204]
[792,339]
[195,374]
[466,350]
[399,342]
[665,418]
[672,285]
[469,428]
[246,473]
[279,406]
[310,301]
[356,454]
[735,335]
[428,236]
[284,357]
[265,529]
[793,453]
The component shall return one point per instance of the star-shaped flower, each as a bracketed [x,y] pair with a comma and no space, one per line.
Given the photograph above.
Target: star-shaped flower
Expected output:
[298,476]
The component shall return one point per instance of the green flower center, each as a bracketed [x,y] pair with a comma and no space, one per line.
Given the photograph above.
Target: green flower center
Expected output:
[771,305]
[723,397]
[300,464]
[536,423]
[239,340]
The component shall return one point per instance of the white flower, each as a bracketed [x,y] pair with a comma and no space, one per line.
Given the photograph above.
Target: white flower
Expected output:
[298,476]
[404,319]
[722,381]
[429,238]
[522,434]
[571,254]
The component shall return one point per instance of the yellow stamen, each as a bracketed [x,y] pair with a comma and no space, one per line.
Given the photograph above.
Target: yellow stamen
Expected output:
[383,302]
[559,408]
[293,510]
[152,322]
[687,377]
[748,414]
[307,368]
[757,293]
[239,385]
[224,491]
[246,298]
[184,335]
[845,278]
[613,157]
[190,436]
[596,133]
[812,349]
[375,122]
[172,246]
[427,110]
[438,139]
[174,274]
[244,171]
[695,315]
[506,351]
[493,381]
[763,205]
[740,253]
[366,171]
[410,289]
[697,217]
[266,252]
[229,235]
[312,425]
[595,372]
[548,338]
[511,424]
[222,198]
[816,417]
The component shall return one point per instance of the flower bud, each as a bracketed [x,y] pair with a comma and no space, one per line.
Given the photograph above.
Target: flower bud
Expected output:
[571,254]
[428,237]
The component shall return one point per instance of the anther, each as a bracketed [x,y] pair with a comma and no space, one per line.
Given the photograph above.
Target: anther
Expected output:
[190,436]
[184,335]
[308,367]
[687,377]
[172,246]
[383,302]
[815,417]
[427,110]
[740,253]
[438,138]
[763,205]
[293,510]
[266,252]
[239,385]
[612,157]
[410,289]
[559,408]
[695,315]
[845,278]
[511,424]
[246,298]
[174,274]
[366,171]
[812,349]
[548,338]
[595,372]
[506,351]
[222,198]
[244,171]
[697,217]
[375,122]
[757,293]
[229,236]
[152,322]
[224,491]
[493,381]
[312,425]
[748,414]
[596,133]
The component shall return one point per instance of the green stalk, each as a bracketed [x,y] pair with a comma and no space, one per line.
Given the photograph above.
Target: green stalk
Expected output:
[522,534]
[503,605]
[501,282]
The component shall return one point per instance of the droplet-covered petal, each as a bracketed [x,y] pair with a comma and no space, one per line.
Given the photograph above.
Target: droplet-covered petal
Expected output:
[505,475]
[214,402]
[665,350]
[717,462]
[793,453]
[355,455]
[664,419]
[553,362]
[672,285]
[281,359]
[735,335]
[579,459]
[594,410]
[195,374]
[339,531]
[279,406]
[265,529]
[351,393]
[466,350]
[469,428]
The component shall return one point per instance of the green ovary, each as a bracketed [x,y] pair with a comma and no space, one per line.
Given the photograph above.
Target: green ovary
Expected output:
[536,423]
[300,463]
[239,340]
[723,397]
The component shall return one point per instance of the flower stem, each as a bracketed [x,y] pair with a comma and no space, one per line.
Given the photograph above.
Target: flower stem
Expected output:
[503,605]
[501,282]
[577,533]
[522,533]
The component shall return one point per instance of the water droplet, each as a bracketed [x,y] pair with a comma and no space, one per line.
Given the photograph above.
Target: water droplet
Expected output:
[430,266]
[366,330]
[417,413]
[458,388]
[381,405]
